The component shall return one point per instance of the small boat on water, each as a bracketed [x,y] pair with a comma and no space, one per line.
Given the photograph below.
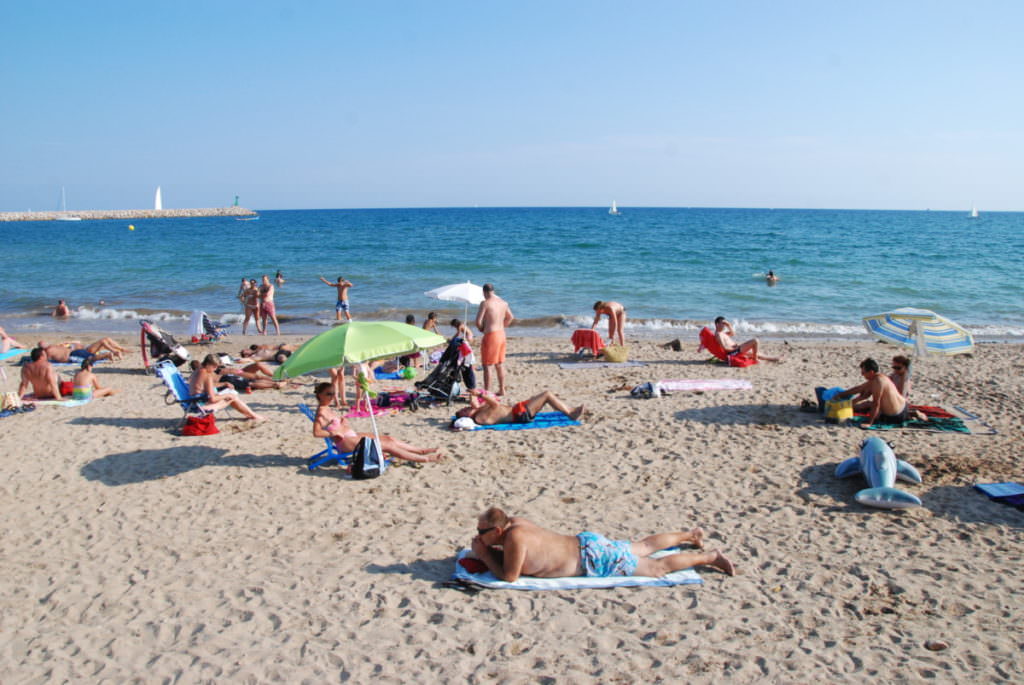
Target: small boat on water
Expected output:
[974,211]
[64,208]
[614,211]
[158,200]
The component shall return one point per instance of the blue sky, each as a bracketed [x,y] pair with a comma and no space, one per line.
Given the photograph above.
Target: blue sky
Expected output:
[905,105]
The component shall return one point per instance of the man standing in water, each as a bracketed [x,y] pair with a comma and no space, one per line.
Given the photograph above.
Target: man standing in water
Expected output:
[491,319]
[342,304]
[268,310]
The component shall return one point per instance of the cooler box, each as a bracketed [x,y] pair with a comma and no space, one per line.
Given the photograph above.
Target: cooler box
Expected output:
[838,410]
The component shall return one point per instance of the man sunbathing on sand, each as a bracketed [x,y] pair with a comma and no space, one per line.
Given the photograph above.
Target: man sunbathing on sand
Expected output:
[202,382]
[751,348]
[486,410]
[75,351]
[39,373]
[7,342]
[529,550]
[268,353]
[327,424]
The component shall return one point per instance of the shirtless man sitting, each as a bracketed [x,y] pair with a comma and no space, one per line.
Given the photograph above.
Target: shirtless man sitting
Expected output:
[203,382]
[75,351]
[61,311]
[39,374]
[887,404]
[486,410]
[751,348]
[529,550]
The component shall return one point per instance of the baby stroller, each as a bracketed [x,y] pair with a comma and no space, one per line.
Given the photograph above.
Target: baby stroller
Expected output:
[161,346]
[203,330]
[442,384]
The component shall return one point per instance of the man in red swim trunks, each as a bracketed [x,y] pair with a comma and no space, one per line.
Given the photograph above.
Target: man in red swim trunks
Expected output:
[486,410]
[492,318]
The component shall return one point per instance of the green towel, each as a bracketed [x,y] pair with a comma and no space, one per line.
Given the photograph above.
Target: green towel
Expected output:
[951,425]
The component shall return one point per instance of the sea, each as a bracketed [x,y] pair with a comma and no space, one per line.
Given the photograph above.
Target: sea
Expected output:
[674,269]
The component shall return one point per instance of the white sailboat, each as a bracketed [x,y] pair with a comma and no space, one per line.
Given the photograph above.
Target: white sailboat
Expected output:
[64,208]
[158,201]
[614,211]
[974,211]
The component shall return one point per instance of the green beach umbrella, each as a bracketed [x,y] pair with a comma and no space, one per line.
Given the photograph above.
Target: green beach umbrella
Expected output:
[354,342]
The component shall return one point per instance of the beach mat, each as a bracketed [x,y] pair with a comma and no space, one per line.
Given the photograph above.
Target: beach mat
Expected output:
[952,424]
[1004,493]
[598,365]
[486,579]
[545,419]
[56,403]
[12,353]
[704,384]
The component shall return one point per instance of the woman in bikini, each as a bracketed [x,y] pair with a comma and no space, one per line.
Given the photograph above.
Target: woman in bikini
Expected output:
[252,306]
[87,386]
[327,424]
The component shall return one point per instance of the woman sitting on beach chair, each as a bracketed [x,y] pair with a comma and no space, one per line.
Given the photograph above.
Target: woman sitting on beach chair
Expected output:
[327,424]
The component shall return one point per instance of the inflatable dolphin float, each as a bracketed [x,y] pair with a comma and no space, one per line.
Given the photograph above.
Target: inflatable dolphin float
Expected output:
[881,468]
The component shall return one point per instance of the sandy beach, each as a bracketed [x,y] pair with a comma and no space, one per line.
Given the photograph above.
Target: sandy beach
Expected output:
[132,553]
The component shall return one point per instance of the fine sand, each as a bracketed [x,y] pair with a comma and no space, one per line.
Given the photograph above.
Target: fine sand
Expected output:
[130,552]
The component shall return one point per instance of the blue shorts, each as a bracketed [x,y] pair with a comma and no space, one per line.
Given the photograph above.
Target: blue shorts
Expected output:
[80,355]
[341,306]
[602,558]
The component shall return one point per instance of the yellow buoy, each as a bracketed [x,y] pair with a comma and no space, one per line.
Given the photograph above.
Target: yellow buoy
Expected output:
[130,227]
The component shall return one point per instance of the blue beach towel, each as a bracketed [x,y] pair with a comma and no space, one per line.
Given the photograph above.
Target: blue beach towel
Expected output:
[12,353]
[387,375]
[545,419]
[489,580]
[1005,493]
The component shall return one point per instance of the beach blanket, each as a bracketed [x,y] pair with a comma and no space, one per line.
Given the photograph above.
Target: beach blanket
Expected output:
[703,385]
[952,424]
[545,419]
[55,403]
[1004,493]
[598,365]
[361,413]
[383,375]
[486,579]
[12,353]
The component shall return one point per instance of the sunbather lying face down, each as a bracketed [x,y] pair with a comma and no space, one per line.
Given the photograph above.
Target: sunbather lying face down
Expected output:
[527,549]
[486,410]
[328,424]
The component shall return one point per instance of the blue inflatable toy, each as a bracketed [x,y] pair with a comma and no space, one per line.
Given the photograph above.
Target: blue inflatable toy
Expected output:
[881,468]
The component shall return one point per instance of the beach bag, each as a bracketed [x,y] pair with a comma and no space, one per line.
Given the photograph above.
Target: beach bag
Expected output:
[367,460]
[67,388]
[616,353]
[10,402]
[838,410]
[200,425]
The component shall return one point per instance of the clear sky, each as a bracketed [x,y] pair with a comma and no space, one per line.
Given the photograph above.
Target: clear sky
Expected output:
[297,104]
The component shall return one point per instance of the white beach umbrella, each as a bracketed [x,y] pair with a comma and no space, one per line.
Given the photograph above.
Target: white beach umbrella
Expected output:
[922,329]
[458,292]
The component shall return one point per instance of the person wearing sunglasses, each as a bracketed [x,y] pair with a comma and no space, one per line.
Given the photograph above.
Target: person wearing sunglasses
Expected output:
[900,375]
[514,546]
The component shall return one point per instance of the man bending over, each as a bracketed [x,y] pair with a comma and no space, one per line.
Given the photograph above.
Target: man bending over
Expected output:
[486,410]
[887,404]
[529,550]
[751,348]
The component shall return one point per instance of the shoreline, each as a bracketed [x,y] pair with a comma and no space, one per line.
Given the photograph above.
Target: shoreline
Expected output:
[98,214]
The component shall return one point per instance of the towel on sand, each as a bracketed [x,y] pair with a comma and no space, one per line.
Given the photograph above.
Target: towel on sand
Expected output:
[489,580]
[545,419]
[952,424]
[598,365]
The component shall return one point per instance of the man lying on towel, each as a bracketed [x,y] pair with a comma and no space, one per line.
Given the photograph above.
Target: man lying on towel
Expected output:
[527,549]
[486,410]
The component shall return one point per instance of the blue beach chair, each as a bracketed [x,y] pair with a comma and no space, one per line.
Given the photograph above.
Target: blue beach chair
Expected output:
[328,455]
[177,389]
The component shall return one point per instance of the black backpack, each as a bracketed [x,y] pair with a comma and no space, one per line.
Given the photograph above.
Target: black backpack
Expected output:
[367,460]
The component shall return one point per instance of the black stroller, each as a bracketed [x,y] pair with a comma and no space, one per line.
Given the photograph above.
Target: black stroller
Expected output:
[161,344]
[442,384]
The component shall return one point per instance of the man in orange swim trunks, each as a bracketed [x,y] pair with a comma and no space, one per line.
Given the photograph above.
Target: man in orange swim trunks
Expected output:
[492,318]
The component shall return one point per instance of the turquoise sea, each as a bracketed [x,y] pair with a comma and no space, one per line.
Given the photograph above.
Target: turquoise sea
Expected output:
[674,269]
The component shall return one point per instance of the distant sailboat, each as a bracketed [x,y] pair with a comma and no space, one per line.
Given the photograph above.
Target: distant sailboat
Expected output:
[614,210]
[64,208]
[974,211]
[158,201]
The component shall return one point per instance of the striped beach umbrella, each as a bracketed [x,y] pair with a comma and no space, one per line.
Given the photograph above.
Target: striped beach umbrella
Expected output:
[922,329]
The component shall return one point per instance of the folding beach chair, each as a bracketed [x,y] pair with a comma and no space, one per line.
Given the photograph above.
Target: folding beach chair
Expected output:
[709,342]
[328,455]
[177,390]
